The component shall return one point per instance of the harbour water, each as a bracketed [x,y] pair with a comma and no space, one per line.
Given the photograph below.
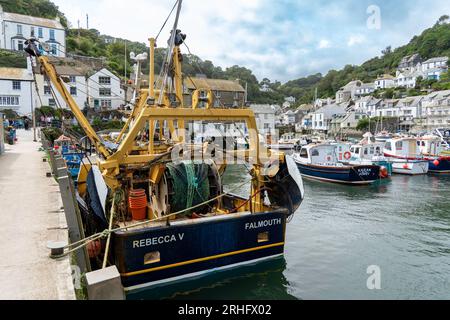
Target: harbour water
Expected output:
[401,226]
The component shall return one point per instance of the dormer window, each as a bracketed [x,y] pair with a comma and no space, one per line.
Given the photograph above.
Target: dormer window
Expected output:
[104,80]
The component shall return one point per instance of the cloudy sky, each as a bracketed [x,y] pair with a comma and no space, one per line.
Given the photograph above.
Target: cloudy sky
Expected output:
[277,39]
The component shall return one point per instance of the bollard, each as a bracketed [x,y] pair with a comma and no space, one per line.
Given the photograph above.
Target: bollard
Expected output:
[56,248]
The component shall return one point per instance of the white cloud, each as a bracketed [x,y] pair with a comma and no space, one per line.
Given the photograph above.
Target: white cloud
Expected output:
[324,44]
[279,40]
[356,39]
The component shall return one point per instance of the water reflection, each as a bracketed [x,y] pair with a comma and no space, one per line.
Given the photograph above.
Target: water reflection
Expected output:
[402,225]
[262,281]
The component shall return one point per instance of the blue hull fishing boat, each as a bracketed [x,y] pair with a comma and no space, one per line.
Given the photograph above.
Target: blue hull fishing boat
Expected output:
[320,162]
[167,254]
[432,148]
[368,152]
[152,199]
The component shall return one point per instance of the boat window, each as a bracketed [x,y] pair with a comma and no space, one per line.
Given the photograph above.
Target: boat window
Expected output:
[423,143]
[418,143]
[357,150]
[304,153]
[388,146]
[263,237]
[152,257]
[315,153]
[399,145]
[366,151]
[352,150]
[372,150]
[378,150]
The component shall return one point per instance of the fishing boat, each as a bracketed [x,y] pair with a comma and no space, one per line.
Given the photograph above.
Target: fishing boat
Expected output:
[405,156]
[320,162]
[434,149]
[383,136]
[154,200]
[369,152]
[67,149]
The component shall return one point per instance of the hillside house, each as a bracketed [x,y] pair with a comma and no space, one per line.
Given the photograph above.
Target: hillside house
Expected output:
[17,28]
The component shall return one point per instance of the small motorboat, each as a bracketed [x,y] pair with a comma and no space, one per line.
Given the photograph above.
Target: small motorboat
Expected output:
[320,162]
[405,156]
[434,149]
[368,152]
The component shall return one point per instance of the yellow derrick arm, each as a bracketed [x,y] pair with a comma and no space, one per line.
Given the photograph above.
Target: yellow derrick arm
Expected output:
[140,104]
[50,71]
[110,167]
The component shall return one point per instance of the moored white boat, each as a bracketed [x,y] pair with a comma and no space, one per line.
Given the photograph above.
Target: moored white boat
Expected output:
[320,162]
[405,156]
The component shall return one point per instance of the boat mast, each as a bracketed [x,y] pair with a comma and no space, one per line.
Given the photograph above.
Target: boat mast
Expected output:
[170,55]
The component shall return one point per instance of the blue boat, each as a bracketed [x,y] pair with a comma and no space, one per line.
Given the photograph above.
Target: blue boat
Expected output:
[369,152]
[320,162]
[432,148]
[73,162]
[159,255]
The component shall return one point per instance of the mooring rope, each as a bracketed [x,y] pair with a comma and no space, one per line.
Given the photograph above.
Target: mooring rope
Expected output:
[84,242]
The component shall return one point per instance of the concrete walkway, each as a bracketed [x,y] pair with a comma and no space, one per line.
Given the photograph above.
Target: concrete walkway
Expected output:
[30,216]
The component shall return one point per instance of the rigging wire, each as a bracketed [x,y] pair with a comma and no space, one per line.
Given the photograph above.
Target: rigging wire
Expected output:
[167,19]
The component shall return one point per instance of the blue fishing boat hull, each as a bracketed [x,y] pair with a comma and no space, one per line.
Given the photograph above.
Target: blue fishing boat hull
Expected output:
[352,175]
[442,167]
[157,255]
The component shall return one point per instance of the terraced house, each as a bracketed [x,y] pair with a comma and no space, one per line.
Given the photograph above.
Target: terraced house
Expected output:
[15,29]
[436,110]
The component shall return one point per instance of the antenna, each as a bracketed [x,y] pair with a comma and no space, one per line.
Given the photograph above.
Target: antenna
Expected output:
[87,21]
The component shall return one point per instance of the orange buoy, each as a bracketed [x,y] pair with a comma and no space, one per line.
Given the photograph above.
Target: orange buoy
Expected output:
[436,163]
[384,173]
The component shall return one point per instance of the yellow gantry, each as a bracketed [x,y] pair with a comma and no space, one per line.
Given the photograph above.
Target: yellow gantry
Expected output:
[145,116]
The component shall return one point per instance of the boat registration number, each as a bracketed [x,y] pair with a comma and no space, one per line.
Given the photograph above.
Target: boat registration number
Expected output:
[364,172]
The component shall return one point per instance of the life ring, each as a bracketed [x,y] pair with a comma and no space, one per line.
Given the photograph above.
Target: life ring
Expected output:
[347,155]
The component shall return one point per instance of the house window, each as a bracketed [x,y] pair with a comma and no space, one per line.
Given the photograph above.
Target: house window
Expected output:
[40,33]
[73,79]
[19,30]
[32,32]
[47,90]
[51,103]
[54,49]
[104,80]
[52,34]
[16,85]
[106,103]
[9,101]
[105,92]
[73,91]
[20,45]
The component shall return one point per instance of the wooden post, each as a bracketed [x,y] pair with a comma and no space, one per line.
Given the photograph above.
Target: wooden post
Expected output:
[73,216]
